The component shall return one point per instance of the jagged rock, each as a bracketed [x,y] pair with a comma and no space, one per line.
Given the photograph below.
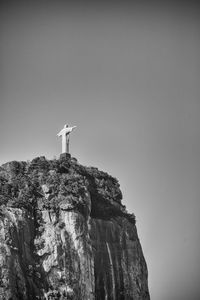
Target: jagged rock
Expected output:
[64,234]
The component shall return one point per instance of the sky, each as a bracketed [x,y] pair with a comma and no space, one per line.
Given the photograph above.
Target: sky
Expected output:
[127,75]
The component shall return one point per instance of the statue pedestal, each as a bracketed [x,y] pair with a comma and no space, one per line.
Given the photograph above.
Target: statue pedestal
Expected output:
[65,156]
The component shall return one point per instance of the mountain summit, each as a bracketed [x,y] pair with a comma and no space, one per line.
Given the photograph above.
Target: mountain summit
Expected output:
[64,234]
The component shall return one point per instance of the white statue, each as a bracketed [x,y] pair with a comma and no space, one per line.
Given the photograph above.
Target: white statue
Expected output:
[65,132]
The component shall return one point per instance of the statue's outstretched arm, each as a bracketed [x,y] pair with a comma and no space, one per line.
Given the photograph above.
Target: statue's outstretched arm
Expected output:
[59,133]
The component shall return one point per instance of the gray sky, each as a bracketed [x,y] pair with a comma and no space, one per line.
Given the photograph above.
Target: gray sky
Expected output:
[128,77]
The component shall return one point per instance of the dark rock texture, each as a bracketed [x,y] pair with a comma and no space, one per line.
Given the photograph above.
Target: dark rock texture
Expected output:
[64,234]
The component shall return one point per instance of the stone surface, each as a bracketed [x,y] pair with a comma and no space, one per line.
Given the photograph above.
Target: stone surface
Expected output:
[65,155]
[64,234]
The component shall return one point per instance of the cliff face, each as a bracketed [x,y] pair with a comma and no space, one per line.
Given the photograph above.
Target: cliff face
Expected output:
[64,234]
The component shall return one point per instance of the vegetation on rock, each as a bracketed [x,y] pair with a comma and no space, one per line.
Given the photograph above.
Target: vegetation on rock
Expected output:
[64,234]
[21,184]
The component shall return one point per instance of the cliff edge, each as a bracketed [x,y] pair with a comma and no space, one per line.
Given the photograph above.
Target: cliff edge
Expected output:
[64,234]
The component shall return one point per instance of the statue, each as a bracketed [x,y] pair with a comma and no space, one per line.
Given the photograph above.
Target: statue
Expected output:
[65,132]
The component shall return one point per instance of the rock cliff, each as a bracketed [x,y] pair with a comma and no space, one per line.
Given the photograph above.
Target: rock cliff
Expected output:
[64,234]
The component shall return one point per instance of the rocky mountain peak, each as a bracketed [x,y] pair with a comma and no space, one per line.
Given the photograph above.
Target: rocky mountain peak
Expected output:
[65,234]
